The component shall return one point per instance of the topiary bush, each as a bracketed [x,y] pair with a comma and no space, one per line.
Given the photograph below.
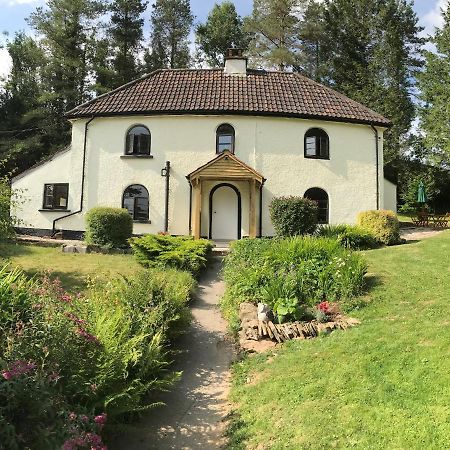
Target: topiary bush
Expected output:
[349,236]
[383,224]
[108,227]
[180,252]
[293,216]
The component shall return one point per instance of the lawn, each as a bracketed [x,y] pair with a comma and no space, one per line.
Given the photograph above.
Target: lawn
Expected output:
[384,384]
[74,270]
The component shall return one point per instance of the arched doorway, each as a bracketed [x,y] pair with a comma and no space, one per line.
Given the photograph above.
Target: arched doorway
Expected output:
[225,212]
[321,197]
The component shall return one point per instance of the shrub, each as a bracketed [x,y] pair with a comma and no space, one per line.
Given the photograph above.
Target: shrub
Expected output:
[109,227]
[180,252]
[290,274]
[383,224]
[349,236]
[292,216]
[84,356]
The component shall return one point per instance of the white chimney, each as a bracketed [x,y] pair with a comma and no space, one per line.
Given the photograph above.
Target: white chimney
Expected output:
[235,62]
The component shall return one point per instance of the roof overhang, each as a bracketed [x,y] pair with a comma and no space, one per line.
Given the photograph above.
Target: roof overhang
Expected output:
[225,166]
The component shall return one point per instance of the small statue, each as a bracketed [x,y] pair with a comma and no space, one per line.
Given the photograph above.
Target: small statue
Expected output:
[263,312]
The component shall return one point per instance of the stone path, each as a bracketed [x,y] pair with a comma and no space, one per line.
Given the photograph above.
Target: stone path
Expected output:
[195,408]
[417,234]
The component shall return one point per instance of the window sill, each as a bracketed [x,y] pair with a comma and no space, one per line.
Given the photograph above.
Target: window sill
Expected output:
[137,156]
[317,157]
[54,210]
[142,221]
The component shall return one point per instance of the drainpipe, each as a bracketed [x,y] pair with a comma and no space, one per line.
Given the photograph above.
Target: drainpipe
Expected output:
[260,208]
[83,176]
[166,173]
[377,152]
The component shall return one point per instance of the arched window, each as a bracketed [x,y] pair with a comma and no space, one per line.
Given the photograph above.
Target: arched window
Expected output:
[225,138]
[138,141]
[317,144]
[321,197]
[135,200]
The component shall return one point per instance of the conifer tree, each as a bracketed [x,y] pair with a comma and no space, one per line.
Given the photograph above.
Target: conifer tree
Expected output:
[126,35]
[373,54]
[434,85]
[275,26]
[171,23]
[223,29]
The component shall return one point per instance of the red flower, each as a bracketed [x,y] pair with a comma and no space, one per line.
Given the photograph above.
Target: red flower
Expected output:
[324,307]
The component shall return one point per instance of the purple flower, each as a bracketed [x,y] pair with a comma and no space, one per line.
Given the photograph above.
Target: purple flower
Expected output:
[100,419]
[7,375]
[18,368]
[88,336]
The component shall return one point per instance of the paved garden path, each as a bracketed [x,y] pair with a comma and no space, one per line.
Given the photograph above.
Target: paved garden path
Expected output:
[417,234]
[195,408]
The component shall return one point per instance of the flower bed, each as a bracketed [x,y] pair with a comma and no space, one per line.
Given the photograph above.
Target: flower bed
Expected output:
[71,364]
[290,275]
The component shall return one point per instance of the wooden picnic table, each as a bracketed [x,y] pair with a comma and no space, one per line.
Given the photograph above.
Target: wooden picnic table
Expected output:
[431,220]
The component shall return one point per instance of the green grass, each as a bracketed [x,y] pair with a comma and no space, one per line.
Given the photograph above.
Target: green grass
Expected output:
[74,270]
[384,384]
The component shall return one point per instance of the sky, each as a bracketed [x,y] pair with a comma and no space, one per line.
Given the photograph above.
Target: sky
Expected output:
[14,12]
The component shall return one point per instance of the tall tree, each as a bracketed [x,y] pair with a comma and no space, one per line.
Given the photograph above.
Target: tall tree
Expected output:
[275,26]
[434,85]
[24,121]
[171,23]
[66,27]
[373,51]
[223,29]
[126,35]
[311,34]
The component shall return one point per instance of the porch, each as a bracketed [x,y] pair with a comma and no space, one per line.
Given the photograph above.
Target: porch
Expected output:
[226,199]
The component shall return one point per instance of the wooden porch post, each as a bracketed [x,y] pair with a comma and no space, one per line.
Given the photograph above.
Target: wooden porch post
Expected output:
[252,209]
[197,209]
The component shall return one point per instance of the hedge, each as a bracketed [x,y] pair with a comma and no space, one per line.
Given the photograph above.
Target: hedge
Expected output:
[383,224]
[180,252]
[292,216]
[108,227]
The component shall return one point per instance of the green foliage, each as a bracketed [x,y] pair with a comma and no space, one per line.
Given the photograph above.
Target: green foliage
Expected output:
[9,200]
[372,51]
[181,252]
[290,274]
[292,216]
[383,224]
[109,227]
[361,371]
[126,36]
[222,30]
[171,22]
[349,236]
[275,28]
[434,88]
[103,353]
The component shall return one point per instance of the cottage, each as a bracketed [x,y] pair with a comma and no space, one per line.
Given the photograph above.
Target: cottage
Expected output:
[203,152]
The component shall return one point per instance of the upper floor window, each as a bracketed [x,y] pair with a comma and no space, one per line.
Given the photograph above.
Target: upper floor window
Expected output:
[321,197]
[56,196]
[317,144]
[225,138]
[138,141]
[136,201]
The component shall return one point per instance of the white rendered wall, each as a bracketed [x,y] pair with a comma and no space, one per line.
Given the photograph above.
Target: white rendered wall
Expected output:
[273,146]
[390,196]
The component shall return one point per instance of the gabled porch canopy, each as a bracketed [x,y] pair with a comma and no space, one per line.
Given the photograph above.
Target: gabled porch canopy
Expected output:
[224,167]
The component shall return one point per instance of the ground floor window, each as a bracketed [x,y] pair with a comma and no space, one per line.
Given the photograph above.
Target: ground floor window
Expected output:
[321,197]
[136,201]
[56,196]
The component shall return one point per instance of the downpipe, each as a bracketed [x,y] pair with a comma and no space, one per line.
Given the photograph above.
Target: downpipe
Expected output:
[377,154]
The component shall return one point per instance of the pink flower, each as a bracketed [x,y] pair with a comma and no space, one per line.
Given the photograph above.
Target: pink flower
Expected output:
[54,376]
[66,298]
[75,319]
[7,375]
[100,419]
[72,416]
[89,337]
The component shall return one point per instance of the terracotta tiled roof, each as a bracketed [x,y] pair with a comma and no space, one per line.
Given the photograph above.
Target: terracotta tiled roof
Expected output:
[211,91]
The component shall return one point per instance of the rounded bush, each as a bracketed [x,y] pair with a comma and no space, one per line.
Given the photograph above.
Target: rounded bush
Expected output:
[293,216]
[349,236]
[383,224]
[109,227]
